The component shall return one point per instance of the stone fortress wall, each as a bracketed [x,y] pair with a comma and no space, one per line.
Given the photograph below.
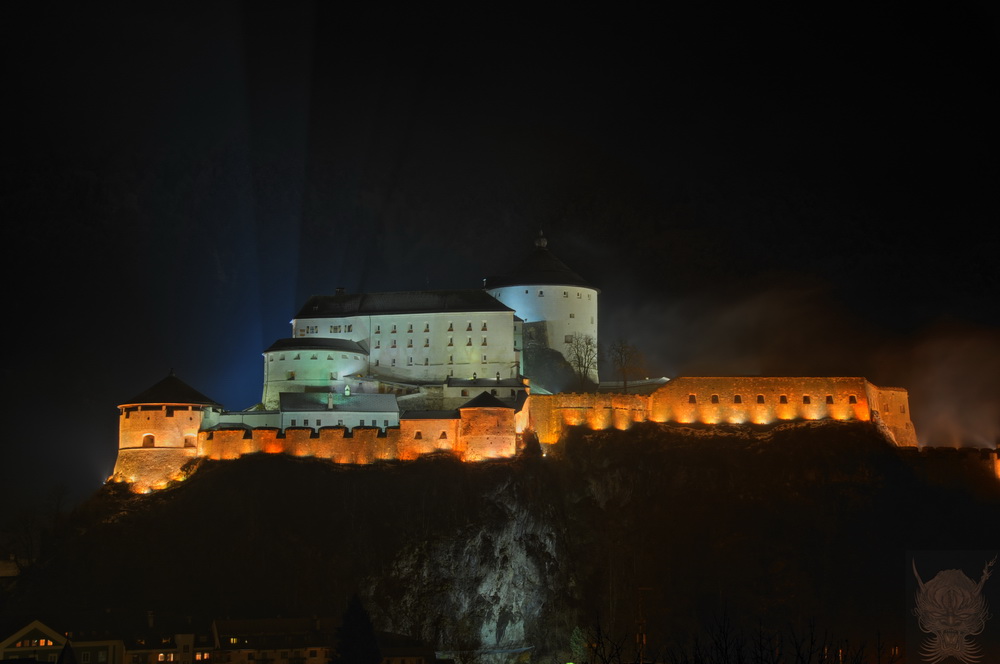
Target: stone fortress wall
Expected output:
[732,400]
[490,433]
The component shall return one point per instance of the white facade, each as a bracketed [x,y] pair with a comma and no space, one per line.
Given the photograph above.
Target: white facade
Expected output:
[554,302]
[566,310]
[424,346]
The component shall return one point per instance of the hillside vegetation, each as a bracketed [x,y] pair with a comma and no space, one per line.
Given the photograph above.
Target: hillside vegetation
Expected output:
[768,526]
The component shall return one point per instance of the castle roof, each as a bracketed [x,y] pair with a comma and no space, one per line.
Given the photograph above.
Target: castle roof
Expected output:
[540,268]
[485,400]
[171,390]
[400,302]
[318,343]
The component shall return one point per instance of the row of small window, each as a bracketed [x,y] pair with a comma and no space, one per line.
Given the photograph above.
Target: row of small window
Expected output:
[340,423]
[33,643]
[334,329]
[427,328]
[409,362]
[579,295]
[427,342]
[314,356]
[738,398]
[102,656]
[465,393]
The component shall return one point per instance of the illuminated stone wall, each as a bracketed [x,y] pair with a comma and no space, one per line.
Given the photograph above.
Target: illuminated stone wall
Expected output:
[151,468]
[486,433]
[551,414]
[893,407]
[162,425]
[426,435]
[728,399]
[360,445]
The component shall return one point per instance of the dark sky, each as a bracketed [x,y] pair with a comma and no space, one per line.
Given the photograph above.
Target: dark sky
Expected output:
[782,190]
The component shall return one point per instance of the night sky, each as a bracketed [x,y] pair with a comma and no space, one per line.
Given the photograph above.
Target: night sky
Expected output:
[780,190]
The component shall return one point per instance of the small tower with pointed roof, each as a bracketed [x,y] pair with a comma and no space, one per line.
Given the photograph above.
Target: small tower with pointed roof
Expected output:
[158,432]
[554,302]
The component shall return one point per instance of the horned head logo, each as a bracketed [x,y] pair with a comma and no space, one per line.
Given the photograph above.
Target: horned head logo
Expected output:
[951,608]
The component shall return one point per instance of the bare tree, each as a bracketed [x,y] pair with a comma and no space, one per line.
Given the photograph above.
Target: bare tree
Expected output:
[627,360]
[582,354]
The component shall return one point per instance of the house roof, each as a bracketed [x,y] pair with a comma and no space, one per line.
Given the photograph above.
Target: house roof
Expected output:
[171,390]
[485,400]
[356,403]
[401,302]
[318,343]
[539,268]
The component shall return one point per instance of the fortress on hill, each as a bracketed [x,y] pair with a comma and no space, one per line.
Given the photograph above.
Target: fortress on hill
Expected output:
[370,376]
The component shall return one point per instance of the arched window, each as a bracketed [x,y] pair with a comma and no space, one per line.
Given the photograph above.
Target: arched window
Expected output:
[148,440]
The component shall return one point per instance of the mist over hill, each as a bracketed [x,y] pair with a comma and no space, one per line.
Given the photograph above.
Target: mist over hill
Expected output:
[770,526]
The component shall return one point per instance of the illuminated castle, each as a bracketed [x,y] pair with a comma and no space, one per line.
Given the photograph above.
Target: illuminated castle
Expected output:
[398,375]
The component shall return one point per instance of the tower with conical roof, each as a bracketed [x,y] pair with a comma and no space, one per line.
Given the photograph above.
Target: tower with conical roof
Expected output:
[158,432]
[556,304]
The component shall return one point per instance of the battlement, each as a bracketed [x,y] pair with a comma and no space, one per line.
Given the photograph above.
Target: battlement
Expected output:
[732,400]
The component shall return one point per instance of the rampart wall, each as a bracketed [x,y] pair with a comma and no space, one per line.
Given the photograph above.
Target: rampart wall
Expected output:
[488,433]
[728,399]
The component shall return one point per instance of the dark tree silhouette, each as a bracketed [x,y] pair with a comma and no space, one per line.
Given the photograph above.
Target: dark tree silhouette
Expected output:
[356,641]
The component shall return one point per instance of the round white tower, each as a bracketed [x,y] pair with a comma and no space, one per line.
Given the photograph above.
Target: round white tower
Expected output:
[558,307]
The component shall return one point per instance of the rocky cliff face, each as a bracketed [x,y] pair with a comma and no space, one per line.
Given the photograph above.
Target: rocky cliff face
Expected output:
[768,525]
